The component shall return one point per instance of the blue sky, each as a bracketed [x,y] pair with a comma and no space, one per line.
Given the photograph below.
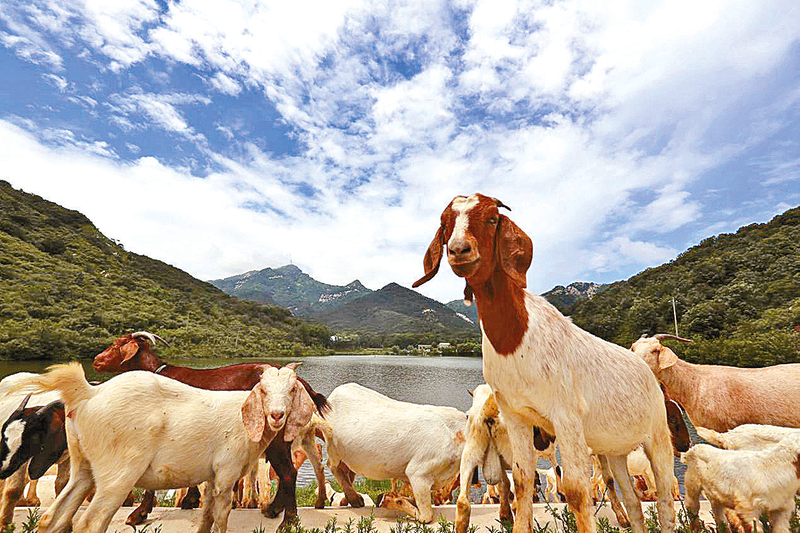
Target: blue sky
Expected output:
[224,136]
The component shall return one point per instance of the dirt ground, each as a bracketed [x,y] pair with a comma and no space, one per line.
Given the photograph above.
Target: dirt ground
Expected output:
[172,520]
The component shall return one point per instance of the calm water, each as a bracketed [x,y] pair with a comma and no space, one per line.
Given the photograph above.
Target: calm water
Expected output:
[424,380]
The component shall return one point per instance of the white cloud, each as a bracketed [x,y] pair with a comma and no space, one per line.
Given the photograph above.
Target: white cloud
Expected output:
[592,121]
[226,85]
[160,109]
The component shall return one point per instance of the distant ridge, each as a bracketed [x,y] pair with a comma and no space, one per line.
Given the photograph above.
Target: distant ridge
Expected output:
[394,310]
[290,287]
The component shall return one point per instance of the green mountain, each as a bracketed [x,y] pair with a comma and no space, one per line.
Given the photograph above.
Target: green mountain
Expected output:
[290,287]
[737,295]
[66,290]
[400,316]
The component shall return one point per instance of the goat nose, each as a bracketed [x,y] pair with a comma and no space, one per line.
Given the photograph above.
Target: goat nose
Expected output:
[460,249]
[276,415]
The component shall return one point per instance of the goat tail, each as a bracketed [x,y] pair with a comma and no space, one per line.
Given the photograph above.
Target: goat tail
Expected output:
[68,379]
[711,436]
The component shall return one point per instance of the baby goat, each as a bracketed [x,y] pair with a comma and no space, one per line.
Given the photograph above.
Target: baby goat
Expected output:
[142,429]
[750,482]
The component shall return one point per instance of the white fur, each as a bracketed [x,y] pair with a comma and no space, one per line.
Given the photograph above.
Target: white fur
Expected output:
[588,392]
[13,486]
[747,436]
[13,438]
[461,205]
[751,482]
[382,438]
[146,430]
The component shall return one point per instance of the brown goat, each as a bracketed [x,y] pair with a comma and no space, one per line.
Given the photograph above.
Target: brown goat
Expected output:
[134,352]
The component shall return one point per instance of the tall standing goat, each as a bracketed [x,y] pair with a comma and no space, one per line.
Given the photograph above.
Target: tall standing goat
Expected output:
[547,372]
[723,397]
[141,429]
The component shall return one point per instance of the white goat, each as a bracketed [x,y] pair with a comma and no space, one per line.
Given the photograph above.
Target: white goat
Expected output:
[142,429]
[638,465]
[382,438]
[547,372]
[17,456]
[750,482]
[723,397]
[747,436]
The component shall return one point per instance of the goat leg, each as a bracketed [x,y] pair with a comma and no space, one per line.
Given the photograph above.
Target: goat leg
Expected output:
[139,515]
[192,498]
[279,455]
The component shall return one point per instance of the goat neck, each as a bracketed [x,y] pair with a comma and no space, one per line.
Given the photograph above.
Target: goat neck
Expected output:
[151,362]
[681,381]
[501,311]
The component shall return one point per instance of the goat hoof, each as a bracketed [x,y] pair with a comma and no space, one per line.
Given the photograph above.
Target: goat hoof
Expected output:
[358,501]
[135,519]
[272,510]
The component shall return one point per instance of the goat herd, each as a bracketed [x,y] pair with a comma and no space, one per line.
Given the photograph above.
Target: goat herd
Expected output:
[611,411]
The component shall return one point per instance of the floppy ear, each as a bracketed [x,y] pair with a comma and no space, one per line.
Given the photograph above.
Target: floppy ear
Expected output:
[514,250]
[666,358]
[432,258]
[128,350]
[253,413]
[300,415]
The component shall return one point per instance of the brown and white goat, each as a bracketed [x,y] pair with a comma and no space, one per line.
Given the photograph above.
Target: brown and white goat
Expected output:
[134,352]
[141,429]
[547,372]
[723,397]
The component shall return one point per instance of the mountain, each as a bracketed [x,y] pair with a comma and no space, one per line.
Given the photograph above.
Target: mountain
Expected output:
[66,290]
[563,297]
[290,287]
[396,310]
[560,296]
[736,295]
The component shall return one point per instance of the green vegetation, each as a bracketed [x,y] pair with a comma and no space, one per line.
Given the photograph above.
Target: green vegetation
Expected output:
[67,291]
[737,295]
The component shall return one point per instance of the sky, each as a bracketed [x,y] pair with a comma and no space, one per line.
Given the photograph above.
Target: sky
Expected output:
[223,136]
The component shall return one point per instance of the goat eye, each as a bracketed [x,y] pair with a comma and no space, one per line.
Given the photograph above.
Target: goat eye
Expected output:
[492,220]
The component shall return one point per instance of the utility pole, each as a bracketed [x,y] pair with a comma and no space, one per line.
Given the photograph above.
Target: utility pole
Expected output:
[675,316]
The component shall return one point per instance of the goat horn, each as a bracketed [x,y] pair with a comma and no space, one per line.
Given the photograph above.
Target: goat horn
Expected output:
[24,402]
[152,337]
[293,366]
[644,336]
[666,336]
[501,204]
[44,409]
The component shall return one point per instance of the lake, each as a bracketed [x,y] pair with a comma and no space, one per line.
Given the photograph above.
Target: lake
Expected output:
[424,380]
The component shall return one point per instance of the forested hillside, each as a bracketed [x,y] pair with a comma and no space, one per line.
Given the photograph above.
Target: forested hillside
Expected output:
[737,295]
[66,290]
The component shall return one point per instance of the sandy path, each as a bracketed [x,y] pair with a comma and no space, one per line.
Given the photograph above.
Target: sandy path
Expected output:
[247,520]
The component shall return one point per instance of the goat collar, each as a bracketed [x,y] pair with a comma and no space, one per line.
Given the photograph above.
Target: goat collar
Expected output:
[159,369]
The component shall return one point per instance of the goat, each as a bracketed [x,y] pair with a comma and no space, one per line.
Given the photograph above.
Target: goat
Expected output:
[547,372]
[723,397]
[639,467]
[133,352]
[488,446]
[746,436]
[361,433]
[33,439]
[747,481]
[142,429]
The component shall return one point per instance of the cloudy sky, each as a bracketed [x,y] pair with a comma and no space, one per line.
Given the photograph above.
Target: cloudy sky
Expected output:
[223,136]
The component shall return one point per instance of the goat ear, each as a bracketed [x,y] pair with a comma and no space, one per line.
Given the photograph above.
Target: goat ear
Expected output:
[432,258]
[300,415]
[666,358]
[128,350]
[253,414]
[514,250]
